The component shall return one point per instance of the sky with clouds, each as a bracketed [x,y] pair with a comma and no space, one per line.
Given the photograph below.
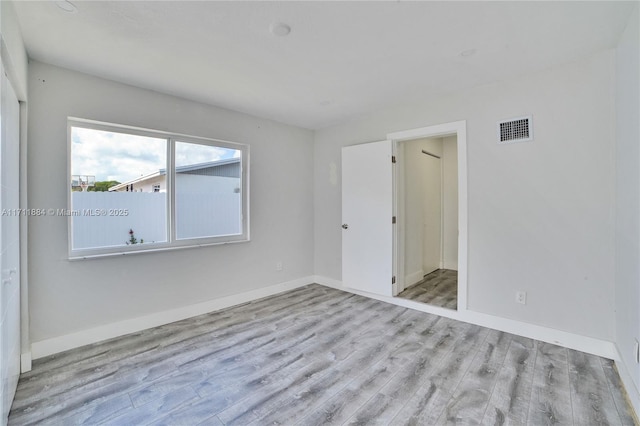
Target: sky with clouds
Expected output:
[123,157]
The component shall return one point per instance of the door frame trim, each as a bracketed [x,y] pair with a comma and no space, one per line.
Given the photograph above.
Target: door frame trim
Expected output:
[458,128]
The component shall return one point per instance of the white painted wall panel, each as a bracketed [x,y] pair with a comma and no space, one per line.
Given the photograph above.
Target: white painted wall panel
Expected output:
[540,213]
[14,55]
[70,296]
[627,268]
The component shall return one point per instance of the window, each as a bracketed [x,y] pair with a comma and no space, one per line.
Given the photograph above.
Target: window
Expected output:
[134,190]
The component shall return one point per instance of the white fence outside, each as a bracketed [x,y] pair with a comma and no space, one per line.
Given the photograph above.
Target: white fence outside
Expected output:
[206,206]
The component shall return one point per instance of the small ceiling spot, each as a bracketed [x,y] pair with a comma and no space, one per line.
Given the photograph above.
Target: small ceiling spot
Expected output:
[326,102]
[467,53]
[67,6]
[280,29]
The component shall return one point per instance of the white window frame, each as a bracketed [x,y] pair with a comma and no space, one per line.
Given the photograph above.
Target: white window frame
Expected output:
[172,242]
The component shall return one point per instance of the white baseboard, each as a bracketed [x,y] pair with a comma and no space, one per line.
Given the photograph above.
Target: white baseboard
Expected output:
[85,337]
[25,362]
[590,345]
[566,339]
[413,278]
[62,343]
[629,385]
[330,282]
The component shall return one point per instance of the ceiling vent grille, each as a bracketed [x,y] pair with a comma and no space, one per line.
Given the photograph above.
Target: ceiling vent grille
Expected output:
[515,130]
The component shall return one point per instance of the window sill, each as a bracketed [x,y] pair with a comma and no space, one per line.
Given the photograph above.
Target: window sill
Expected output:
[75,257]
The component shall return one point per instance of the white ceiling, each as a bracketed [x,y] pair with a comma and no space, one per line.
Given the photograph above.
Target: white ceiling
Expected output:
[341,59]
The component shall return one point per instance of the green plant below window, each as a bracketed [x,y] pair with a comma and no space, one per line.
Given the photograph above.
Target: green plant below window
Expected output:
[133,239]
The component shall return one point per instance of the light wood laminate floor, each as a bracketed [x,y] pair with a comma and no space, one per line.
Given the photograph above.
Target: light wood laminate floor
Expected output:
[439,288]
[315,356]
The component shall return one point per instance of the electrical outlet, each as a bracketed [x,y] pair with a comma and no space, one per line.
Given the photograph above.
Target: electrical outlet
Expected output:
[636,351]
[521,297]
[278,266]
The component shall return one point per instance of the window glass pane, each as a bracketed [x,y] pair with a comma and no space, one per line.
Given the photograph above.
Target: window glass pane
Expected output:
[118,186]
[208,189]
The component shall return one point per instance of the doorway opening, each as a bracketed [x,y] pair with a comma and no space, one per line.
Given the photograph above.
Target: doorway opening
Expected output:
[430,205]
[430,181]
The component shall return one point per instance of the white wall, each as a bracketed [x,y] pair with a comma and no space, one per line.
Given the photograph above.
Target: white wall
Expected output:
[14,55]
[540,213]
[450,202]
[627,267]
[68,296]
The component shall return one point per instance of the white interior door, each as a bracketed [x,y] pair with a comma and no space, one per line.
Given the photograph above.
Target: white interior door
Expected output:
[9,245]
[367,212]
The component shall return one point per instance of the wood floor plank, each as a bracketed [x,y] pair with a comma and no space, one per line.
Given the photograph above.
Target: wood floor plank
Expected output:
[509,403]
[471,397]
[223,353]
[253,337]
[86,394]
[439,288]
[34,384]
[340,407]
[317,355]
[619,397]
[202,411]
[262,359]
[154,409]
[97,413]
[161,388]
[430,400]
[220,394]
[390,346]
[309,296]
[270,397]
[590,396]
[550,392]
[211,421]
[403,385]
[230,363]
[396,346]
[335,370]
[99,377]
[270,370]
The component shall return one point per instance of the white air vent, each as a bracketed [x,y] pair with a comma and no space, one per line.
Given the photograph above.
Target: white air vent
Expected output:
[515,130]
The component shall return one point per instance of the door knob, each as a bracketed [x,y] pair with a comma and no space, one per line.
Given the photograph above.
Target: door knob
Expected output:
[345,226]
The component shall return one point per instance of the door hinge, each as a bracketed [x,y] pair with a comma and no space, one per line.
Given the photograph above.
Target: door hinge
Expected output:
[393,159]
[393,280]
[393,219]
